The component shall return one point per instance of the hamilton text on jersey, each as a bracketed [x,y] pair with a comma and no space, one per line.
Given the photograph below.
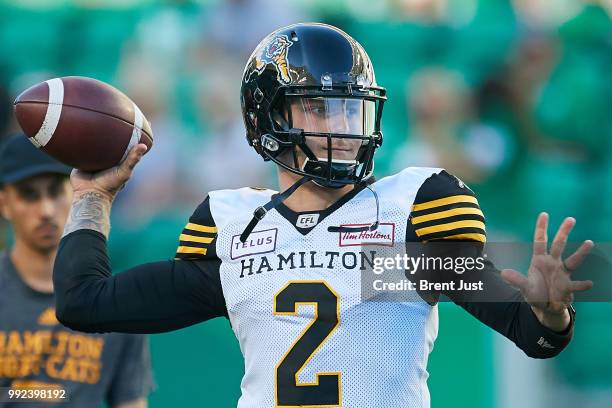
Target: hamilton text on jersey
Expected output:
[310,260]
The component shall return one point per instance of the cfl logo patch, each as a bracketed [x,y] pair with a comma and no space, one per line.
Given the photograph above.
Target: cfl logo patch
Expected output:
[307,220]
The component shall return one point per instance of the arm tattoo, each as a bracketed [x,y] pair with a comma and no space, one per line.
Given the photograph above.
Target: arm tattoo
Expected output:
[89,211]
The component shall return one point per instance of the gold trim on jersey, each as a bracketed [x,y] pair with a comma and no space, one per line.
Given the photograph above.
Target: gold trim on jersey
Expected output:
[445,201]
[295,311]
[448,213]
[193,242]
[193,238]
[451,226]
[201,228]
[191,250]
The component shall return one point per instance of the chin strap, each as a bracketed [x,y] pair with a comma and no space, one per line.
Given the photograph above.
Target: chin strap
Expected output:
[261,211]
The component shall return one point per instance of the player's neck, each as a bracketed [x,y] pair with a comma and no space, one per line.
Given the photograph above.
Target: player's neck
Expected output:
[309,197]
[33,266]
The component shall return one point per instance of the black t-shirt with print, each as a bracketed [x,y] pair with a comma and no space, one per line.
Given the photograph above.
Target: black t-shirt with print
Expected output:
[37,351]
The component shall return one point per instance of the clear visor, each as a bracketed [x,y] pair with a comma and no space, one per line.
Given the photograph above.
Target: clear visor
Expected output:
[345,116]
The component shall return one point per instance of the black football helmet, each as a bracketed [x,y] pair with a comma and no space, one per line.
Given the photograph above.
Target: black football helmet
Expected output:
[311,104]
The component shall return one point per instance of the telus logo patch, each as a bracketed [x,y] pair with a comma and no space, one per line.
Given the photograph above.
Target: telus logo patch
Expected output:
[258,242]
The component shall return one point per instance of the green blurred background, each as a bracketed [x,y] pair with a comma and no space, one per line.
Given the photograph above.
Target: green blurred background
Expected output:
[514,97]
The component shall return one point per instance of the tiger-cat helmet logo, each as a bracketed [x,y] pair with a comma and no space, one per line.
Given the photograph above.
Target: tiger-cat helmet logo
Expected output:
[275,53]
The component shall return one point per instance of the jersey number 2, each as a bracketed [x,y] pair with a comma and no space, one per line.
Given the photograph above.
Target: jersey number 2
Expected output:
[325,391]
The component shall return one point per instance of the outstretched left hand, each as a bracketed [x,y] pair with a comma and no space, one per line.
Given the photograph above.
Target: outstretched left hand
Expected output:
[548,287]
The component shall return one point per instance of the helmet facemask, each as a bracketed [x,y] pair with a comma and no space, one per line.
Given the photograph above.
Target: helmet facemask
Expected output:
[329,136]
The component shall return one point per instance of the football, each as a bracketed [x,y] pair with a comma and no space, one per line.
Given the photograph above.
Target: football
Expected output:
[82,122]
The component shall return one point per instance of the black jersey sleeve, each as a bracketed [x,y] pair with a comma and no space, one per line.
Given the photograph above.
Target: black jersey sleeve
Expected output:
[446,221]
[446,209]
[149,298]
[198,238]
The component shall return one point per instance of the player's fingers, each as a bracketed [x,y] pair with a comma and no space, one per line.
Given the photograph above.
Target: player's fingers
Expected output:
[540,237]
[515,279]
[579,286]
[75,174]
[560,240]
[133,157]
[574,261]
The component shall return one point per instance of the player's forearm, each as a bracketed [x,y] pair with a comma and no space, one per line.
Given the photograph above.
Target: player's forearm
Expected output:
[148,298]
[504,309]
[79,273]
[515,320]
[90,210]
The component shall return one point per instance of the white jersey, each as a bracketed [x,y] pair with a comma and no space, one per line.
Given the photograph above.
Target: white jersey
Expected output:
[293,293]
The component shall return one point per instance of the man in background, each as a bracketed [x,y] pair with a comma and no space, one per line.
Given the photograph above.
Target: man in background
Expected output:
[36,351]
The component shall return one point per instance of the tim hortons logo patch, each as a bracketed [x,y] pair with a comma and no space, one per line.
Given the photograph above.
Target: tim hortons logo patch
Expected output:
[258,242]
[383,235]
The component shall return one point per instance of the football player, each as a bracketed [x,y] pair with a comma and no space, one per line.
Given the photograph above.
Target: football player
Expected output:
[285,268]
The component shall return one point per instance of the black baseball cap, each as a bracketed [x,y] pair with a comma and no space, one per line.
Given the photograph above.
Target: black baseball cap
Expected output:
[20,159]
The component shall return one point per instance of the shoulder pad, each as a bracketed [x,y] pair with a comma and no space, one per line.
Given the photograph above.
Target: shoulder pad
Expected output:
[231,205]
[445,208]
[197,240]
[403,186]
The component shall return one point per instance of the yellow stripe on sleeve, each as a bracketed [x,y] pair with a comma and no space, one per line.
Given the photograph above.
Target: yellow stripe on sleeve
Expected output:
[444,201]
[191,250]
[448,213]
[200,228]
[193,238]
[451,226]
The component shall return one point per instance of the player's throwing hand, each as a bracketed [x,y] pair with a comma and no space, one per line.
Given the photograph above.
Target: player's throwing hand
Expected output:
[108,182]
[94,194]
